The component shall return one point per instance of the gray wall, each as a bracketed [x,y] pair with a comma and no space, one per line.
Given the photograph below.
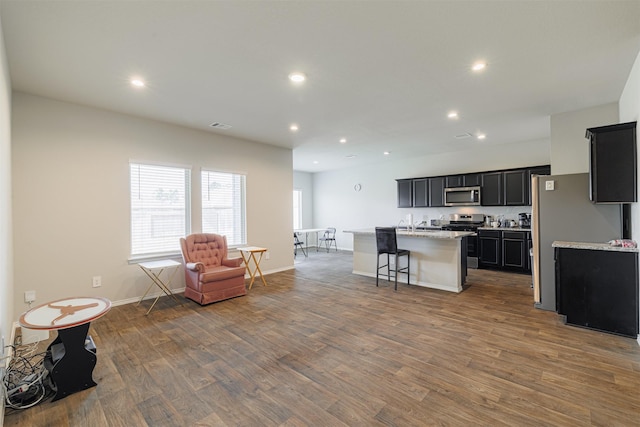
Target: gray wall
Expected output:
[71,195]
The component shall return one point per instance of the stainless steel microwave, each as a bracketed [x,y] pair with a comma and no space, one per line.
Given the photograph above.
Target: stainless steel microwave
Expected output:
[462,196]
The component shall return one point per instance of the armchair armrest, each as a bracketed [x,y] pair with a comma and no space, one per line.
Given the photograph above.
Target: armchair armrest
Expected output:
[232,262]
[195,266]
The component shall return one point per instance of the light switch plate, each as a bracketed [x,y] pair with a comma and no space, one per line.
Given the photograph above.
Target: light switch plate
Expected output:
[549,185]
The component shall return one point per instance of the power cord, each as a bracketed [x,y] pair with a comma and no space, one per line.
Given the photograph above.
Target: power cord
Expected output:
[24,383]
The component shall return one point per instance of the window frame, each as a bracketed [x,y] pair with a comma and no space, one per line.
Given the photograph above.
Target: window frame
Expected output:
[172,252]
[297,214]
[242,201]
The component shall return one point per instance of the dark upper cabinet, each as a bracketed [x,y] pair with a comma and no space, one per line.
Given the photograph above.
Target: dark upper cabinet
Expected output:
[539,170]
[405,193]
[421,192]
[613,163]
[499,188]
[436,191]
[471,179]
[454,181]
[491,194]
[515,187]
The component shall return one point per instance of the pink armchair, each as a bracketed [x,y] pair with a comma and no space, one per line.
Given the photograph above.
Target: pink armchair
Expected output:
[209,275]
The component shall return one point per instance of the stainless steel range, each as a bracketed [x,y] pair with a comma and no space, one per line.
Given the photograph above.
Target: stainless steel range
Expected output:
[467,222]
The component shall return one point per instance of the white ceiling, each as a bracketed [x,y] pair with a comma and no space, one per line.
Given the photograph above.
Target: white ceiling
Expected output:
[382,74]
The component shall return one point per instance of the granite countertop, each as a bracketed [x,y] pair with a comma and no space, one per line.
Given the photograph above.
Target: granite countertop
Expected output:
[592,246]
[428,234]
[505,228]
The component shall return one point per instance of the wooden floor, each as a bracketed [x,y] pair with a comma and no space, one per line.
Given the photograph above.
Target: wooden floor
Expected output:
[322,347]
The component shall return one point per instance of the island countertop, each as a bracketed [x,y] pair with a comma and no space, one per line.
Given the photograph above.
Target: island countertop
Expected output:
[429,234]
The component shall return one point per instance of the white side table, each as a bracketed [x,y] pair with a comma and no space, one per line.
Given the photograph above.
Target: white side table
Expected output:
[154,270]
[249,253]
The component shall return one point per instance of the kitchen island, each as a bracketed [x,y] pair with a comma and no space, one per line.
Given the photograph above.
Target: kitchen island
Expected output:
[438,258]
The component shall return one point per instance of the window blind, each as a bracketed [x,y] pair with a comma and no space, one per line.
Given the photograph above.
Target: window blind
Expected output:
[297,209]
[223,205]
[160,200]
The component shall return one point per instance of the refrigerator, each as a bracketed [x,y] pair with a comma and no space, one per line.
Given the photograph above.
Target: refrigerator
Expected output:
[561,210]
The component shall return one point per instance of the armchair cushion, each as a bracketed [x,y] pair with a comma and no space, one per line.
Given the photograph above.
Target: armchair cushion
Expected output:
[209,275]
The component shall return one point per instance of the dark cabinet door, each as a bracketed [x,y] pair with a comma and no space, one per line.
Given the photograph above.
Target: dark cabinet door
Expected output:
[514,248]
[598,289]
[405,193]
[421,192]
[613,163]
[515,188]
[471,179]
[436,191]
[541,170]
[490,251]
[454,181]
[491,189]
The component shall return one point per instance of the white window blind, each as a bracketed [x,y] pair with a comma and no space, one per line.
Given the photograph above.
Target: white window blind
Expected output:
[297,209]
[160,215]
[223,206]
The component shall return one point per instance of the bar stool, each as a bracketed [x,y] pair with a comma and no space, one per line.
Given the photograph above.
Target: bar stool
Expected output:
[387,244]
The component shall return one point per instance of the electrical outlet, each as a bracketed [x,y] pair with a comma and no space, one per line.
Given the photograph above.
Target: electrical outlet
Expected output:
[266,255]
[97,281]
[29,296]
[549,185]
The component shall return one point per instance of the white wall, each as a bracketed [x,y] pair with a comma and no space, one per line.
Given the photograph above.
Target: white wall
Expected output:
[304,181]
[569,147]
[629,106]
[6,256]
[337,204]
[71,195]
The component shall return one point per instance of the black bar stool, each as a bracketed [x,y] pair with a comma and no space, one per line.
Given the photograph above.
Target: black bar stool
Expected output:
[387,244]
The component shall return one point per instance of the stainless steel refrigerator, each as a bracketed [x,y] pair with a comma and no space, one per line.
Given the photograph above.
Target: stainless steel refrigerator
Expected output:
[561,210]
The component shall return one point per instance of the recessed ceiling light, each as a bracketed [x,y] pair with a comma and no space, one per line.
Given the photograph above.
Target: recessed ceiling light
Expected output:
[386,153]
[479,66]
[137,82]
[315,162]
[297,77]
[293,127]
[343,140]
[453,114]
[481,136]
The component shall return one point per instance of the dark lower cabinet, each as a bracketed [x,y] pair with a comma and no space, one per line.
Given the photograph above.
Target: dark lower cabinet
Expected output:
[514,249]
[598,289]
[508,250]
[490,248]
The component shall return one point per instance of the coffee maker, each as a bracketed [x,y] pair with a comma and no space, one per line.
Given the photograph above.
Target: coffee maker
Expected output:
[525,220]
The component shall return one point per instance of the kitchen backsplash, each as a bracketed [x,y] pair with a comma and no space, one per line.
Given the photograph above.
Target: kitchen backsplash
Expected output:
[427,214]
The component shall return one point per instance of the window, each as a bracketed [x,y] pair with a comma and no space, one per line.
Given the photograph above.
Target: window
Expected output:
[223,206]
[297,209]
[160,201]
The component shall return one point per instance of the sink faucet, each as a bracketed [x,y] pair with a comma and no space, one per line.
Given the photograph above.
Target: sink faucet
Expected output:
[400,223]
